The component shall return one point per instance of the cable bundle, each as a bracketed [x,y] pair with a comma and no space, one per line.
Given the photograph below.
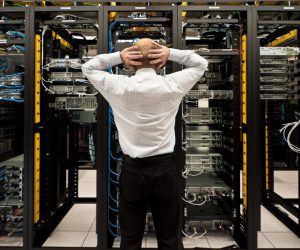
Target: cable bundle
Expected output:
[294,125]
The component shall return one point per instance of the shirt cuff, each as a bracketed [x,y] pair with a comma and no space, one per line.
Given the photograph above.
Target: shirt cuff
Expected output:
[175,55]
[114,58]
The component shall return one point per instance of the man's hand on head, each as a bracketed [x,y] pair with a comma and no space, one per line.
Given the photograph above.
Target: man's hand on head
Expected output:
[130,56]
[159,55]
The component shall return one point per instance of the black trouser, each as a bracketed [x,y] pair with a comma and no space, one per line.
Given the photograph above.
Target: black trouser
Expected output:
[150,182]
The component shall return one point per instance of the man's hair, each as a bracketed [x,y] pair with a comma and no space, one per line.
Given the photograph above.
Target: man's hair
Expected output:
[145,45]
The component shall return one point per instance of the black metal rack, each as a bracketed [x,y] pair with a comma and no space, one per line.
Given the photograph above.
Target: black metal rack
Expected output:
[41,229]
[18,17]
[247,237]
[105,239]
[270,139]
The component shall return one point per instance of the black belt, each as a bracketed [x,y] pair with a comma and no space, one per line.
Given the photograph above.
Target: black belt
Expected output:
[160,157]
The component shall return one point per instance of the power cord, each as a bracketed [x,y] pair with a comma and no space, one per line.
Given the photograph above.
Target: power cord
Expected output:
[287,137]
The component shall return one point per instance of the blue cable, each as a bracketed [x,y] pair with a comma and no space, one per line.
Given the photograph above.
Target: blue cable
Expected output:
[113,225]
[115,173]
[4,65]
[12,75]
[12,100]
[15,34]
[12,86]
[113,234]
[14,90]
[111,157]
[17,47]
[113,209]
[110,42]
[116,182]
[110,196]
[115,158]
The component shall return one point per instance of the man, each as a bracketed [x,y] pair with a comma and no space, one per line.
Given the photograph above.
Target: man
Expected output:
[145,106]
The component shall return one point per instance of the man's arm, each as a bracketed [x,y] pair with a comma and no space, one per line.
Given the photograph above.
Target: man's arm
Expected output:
[109,84]
[195,66]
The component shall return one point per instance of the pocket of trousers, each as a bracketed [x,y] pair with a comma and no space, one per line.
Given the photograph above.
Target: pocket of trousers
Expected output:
[133,186]
[167,184]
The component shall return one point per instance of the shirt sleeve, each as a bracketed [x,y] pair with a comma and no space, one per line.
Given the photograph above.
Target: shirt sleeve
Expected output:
[195,66]
[109,85]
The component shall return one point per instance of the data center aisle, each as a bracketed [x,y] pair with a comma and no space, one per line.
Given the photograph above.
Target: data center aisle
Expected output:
[79,228]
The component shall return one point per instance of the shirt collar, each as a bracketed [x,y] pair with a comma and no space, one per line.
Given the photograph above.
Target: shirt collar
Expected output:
[145,70]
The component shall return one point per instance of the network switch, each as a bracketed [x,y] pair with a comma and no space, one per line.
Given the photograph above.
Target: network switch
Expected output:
[279,51]
[277,79]
[208,224]
[274,88]
[210,94]
[274,96]
[203,115]
[282,70]
[7,94]
[211,77]
[202,136]
[75,103]
[197,158]
[203,111]
[275,61]
[64,63]
[67,77]
[68,89]
[12,174]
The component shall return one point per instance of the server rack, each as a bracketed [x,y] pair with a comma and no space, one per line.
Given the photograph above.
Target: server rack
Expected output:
[58,98]
[138,15]
[279,104]
[244,232]
[14,105]
[252,210]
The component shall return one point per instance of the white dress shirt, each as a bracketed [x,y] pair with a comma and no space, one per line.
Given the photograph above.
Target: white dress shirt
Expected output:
[145,105]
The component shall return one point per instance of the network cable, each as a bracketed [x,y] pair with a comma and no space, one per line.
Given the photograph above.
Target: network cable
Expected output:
[287,137]
[111,157]
[194,235]
[15,34]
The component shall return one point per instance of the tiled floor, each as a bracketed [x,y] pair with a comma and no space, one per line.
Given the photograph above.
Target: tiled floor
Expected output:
[275,234]
[87,180]
[78,228]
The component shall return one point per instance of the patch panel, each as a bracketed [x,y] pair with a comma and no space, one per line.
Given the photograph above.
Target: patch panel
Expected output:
[11,80]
